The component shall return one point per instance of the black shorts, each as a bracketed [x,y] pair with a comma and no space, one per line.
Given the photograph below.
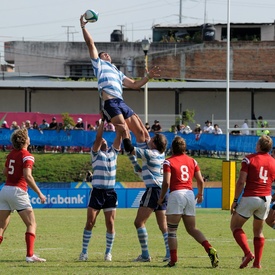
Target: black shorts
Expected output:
[150,199]
[103,198]
[116,106]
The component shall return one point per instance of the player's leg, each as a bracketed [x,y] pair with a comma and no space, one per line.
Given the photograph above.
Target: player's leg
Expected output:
[270,220]
[110,234]
[172,224]
[162,223]
[109,209]
[258,241]
[142,216]
[4,222]
[87,232]
[28,217]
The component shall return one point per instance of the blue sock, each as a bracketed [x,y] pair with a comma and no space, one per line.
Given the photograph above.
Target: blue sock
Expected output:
[86,239]
[109,242]
[143,240]
[165,237]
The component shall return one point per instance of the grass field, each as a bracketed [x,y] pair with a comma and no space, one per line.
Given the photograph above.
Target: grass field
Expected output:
[59,237]
[73,167]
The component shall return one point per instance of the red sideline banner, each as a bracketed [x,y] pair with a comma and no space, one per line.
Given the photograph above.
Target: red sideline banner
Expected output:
[20,117]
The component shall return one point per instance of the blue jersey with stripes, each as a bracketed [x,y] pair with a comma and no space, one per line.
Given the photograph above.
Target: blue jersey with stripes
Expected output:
[109,78]
[104,168]
[152,166]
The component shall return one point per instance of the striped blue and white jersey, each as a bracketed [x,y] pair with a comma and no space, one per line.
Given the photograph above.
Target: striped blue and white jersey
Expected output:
[109,78]
[152,166]
[104,168]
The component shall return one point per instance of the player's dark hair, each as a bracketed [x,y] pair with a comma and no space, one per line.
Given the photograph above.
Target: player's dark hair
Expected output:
[178,145]
[161,142]
[100,54]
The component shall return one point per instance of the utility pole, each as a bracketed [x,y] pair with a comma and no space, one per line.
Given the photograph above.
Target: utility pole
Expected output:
[121,28]
[68,31]
[180,14]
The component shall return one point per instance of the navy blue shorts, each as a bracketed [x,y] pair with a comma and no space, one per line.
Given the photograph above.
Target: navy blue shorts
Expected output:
[103,198]
[150,199]
[116,106]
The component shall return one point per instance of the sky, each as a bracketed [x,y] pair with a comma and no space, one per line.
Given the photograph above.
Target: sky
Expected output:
[58,20]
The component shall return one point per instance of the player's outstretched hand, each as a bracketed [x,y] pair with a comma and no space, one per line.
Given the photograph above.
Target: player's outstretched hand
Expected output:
[82,22]
[154,72]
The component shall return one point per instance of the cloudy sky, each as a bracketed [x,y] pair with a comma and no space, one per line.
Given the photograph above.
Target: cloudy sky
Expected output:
[58,20]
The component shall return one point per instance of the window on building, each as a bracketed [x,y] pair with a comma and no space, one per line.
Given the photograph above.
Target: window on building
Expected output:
[80,71]
[242,34]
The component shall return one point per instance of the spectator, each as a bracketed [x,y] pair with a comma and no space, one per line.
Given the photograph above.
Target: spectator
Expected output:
[43,126]
[109,127]
[79,126]
[54,126]
[208,128]
[174,129]
[197,131]
[245,127]
[147,127]
[185,129]
[5,125]
[217,131]
[236,132]
[261,124]
[28,125]
[90,127]
[23,125]
[254,186]
[178,173]
[35,125]
[156,127]
[14,126]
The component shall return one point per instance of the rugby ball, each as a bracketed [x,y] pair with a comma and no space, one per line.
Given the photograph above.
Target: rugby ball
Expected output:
[91,16]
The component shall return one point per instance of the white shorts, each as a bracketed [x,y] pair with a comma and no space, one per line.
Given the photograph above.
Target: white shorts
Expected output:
[181,202]
[249,206]
[14,198]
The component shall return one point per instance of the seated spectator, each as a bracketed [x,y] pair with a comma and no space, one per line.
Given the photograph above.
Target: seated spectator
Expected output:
[28,125]
[54,126]
[236,132]
[185,129]
[35,125]
[14,126]
[156,127]
[208,128]
[197,131]
[217,131]
[79,124]
[147,126]
[5,125]
[90,127]
[174,129]
[44,125]
[109,127]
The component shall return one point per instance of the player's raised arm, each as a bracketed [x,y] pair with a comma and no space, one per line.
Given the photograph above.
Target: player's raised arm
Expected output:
[88,38]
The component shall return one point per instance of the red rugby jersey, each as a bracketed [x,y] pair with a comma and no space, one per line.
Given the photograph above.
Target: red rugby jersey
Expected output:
[16,161]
